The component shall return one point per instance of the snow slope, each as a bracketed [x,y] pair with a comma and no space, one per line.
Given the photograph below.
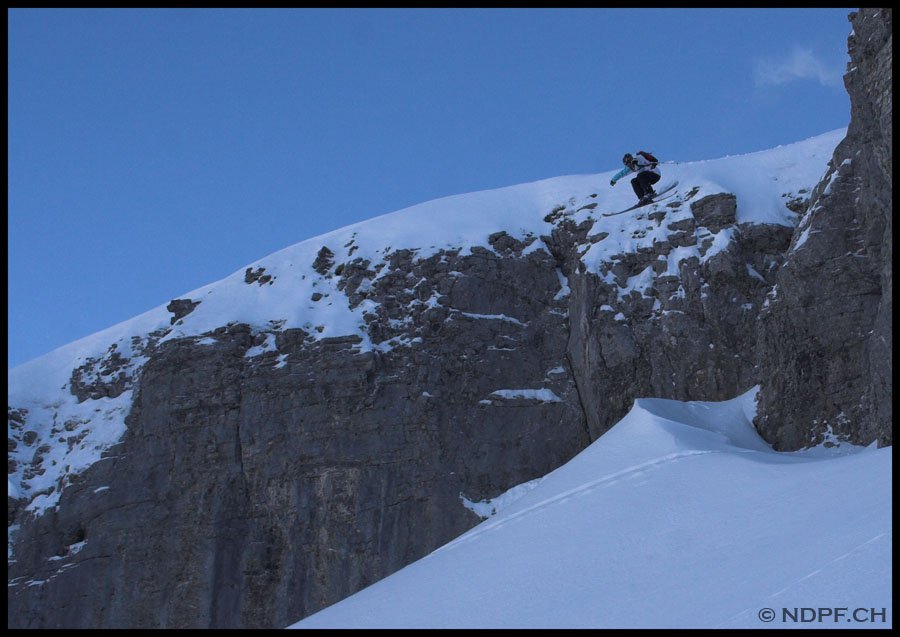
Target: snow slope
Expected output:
[680,516]
[77,433]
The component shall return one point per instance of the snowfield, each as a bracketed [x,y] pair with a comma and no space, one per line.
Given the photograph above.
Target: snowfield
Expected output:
[679,517]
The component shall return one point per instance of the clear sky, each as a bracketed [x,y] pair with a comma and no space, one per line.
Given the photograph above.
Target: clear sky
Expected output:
[151,152]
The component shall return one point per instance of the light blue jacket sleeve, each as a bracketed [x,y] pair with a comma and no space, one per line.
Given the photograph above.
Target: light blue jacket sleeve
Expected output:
[621,173]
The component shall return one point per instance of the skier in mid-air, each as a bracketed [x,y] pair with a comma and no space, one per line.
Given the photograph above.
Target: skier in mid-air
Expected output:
[645,165]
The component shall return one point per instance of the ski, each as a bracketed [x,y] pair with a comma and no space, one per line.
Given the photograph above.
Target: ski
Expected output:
[659,197]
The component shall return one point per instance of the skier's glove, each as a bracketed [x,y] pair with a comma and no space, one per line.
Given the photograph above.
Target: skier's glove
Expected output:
[612,182]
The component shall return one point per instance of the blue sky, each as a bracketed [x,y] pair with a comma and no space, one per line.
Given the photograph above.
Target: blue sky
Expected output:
[151,152]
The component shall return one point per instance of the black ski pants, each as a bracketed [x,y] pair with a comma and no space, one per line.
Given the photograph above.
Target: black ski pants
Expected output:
[643,183]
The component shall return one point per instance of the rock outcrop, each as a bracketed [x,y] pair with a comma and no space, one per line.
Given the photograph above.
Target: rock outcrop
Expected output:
[825,337]
[655,324]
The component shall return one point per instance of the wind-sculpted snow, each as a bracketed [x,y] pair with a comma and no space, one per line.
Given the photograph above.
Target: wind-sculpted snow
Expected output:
[679,517]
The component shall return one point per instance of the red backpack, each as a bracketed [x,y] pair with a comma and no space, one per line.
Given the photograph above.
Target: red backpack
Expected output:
[648,156]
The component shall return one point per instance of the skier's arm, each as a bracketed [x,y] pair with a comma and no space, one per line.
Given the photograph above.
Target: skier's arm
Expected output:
[619,175]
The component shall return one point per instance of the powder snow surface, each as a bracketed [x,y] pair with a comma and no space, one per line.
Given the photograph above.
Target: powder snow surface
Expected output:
[680,516]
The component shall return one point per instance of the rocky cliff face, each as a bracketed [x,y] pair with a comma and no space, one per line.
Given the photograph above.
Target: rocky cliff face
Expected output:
[688,333]
[267,471]
[251,493]
[254,491]
[825,338]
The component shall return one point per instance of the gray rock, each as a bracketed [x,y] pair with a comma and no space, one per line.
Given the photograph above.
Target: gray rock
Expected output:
[181,308]
[825,337]
[715,211]
[324,261]
[249,495]
[256,276]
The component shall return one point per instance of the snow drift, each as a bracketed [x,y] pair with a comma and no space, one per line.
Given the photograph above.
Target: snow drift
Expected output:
[680,516]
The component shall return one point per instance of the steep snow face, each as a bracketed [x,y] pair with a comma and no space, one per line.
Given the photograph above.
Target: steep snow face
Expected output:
[679,517]
[67,407]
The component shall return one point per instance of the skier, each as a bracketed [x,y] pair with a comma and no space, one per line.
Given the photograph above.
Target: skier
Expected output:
[644,164]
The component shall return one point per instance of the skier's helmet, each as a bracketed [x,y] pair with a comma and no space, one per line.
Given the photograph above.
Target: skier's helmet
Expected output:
[627,159]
